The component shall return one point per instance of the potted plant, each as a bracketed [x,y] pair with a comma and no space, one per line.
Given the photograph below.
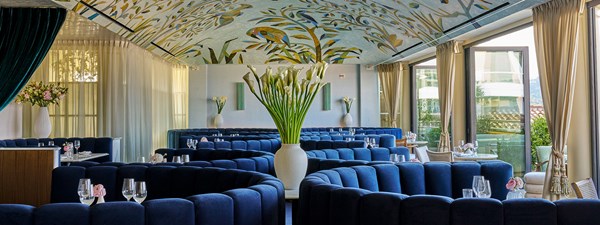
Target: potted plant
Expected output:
[42,95]
[287,99]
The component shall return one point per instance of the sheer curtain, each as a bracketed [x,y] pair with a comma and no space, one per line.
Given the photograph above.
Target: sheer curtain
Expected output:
[116,89]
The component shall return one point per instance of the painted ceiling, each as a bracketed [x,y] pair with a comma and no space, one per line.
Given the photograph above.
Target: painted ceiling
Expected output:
[292,31]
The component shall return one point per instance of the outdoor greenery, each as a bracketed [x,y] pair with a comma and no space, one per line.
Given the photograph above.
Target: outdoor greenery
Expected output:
[540,136]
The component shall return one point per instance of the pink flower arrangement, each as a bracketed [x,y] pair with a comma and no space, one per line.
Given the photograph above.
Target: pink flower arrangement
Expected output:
[40,94]
[67,147]
[99,190]
[514,183]
[415,160]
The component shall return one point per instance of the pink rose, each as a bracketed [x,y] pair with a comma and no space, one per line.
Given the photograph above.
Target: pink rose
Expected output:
[512,183]
[26,96]
[67,148]
[99,190]
[519,182]
[47,95]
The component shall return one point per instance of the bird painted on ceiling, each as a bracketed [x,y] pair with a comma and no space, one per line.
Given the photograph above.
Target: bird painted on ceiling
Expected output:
[270,34]
[226,18]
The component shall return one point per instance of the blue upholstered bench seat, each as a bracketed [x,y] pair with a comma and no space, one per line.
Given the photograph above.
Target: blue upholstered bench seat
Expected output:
[174,137]
[226,195]
[265,145]
[383,140]
[95,145]
[342,157]
[329,205]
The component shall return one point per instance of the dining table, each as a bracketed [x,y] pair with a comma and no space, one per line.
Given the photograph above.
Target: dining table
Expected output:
[475,157]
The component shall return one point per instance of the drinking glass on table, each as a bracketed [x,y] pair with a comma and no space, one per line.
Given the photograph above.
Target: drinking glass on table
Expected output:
[76,145]
[140,192]
[186,158]
[128,189]
[177,159]
[478,185]
[487,190]
[190,142]
[467,193]
[85,190]
[394,158]
[51,143]
[195,144]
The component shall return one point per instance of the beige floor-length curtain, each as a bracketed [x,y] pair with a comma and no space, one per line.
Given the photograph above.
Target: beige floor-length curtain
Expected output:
[390,78]
[446,71]
[556,31]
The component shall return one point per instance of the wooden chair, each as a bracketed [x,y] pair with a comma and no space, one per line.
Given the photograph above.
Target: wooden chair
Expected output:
[401,142]
[585,189]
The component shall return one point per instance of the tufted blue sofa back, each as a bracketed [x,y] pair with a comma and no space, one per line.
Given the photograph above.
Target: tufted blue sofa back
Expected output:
[95,145]
[266,145]
[254,196]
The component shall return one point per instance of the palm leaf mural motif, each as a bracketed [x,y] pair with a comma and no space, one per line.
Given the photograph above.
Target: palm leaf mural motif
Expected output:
[291,34]
[169,30]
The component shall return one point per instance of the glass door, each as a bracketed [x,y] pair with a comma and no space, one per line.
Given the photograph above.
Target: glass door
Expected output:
[499,103]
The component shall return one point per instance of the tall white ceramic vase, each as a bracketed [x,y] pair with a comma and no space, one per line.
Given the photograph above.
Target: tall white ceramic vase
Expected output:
[347,120]
[42,126]
[290,165]
[218,121]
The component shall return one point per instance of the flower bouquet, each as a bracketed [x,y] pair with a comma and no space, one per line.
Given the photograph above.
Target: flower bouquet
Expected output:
[99,192]
[42,95]
[220,101]
[68,148]
[515,187]
[348,102]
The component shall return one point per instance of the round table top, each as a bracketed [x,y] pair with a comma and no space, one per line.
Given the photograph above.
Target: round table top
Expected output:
[476,157]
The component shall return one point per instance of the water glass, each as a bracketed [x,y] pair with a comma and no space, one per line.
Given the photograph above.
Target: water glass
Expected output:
[394,158]
[50,143]
[177,159]
[140,192]
[401,158]
[128,189]
[85,190]
[467,193]
[141,159]
[41,144]
[186,158]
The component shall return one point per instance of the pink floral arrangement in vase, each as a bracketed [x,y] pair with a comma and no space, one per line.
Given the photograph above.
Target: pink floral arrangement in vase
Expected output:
[515,183]
[42,95]
[68,148]
[99,192]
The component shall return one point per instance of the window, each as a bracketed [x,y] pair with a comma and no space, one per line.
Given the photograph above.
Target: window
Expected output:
[426,106]
[505,97]
[594,55]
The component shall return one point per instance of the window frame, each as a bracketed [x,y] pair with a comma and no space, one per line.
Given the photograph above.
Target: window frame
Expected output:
[593,76]
[471,111]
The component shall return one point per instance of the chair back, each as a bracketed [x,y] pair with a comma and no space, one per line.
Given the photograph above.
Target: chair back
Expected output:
[421,154]
[543,155]
[440,156]
[585,189]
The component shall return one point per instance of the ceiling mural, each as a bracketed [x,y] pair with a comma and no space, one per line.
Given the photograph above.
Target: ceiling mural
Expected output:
[292,31]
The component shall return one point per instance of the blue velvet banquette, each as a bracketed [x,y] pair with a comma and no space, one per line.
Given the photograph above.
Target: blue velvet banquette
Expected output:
[214,195]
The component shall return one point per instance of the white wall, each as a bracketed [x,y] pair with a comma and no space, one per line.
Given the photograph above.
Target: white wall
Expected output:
[219,80]
[11,122]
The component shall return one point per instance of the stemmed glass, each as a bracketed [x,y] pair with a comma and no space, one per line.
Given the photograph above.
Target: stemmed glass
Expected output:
[128,188]
[85,190]
[140,192]
[190,142]
[76,145]
[487,190]
[478,185]
[195,144]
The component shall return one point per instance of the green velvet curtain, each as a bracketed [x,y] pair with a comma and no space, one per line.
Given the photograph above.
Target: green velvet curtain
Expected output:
[26,35]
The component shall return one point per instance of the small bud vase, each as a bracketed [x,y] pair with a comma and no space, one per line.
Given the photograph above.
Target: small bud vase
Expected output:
[100,200]
[518,193]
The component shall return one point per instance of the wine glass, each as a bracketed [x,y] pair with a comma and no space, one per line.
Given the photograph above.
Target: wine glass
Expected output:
[128,188]
[189,143]
[85,190]
[195,143]
[76,145]
[487,190]
[51,143]
[478,185]
[140,192]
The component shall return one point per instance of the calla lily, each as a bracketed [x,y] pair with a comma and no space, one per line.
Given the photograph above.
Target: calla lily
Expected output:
[286,98]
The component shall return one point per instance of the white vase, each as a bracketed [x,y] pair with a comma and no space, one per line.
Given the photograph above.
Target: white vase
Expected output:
[100,200]
[347,121]
[290,165]
[42,126]
[218,121]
